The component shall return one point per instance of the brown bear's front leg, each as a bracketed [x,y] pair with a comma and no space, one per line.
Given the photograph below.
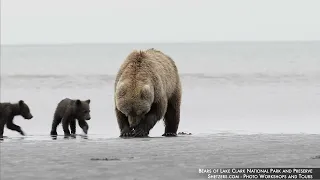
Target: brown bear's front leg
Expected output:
[125,130]
[143,129]
[150,120]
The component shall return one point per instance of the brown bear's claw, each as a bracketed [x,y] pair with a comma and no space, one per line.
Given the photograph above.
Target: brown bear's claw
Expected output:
[126,134]
[140,133]
[169,134]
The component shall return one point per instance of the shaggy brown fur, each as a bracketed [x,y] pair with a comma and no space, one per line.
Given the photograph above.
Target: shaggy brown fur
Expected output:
[147,88]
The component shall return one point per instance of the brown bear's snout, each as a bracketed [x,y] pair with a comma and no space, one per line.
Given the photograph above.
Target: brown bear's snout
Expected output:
[29,116]
[134,121]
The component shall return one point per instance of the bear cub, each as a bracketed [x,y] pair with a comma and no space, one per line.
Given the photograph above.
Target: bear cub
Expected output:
[67,112]
[7,113]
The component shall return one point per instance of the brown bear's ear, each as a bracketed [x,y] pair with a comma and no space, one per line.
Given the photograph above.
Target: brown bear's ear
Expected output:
[21,102]
[121,89]
[88,101]
[78,102]
[145,92]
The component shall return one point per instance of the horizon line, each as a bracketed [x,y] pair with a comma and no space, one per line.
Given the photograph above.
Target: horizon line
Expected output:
[173,42]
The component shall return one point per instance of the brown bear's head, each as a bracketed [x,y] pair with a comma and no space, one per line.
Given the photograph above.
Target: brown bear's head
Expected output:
[24,110]
[134,101]
[83,109]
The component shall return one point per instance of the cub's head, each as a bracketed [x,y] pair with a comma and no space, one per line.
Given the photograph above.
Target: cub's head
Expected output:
[83,109]
[134,102]
[24,110]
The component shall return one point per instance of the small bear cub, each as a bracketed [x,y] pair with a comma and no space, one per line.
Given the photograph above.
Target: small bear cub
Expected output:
[7,113]
[67,112]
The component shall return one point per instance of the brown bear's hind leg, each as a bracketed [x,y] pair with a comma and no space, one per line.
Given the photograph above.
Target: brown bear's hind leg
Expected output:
[125,130]
[172,117]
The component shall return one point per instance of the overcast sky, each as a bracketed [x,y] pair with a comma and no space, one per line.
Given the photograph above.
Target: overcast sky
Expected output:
[99,21]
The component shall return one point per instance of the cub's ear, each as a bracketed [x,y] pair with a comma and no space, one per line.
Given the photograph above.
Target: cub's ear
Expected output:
[21,102]
[78,102]
[88,101]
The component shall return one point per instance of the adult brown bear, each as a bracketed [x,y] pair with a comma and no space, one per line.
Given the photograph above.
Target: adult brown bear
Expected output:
[147,89]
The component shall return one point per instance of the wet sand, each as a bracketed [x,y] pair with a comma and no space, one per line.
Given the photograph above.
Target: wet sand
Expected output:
[41,158]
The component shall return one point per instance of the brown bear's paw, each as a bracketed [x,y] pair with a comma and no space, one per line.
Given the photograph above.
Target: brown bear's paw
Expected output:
[126,133]
[169,134]
[141,131]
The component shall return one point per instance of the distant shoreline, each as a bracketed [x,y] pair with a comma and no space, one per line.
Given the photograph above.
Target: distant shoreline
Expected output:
[159,43]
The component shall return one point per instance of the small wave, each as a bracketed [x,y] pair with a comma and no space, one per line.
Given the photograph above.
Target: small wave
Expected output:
[195,79]
[251,75]
[183,75]
[54,76]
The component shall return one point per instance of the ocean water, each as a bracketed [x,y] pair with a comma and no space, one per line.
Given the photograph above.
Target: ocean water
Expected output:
[227,87]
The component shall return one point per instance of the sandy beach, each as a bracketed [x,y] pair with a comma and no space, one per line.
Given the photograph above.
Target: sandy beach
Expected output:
[98,157]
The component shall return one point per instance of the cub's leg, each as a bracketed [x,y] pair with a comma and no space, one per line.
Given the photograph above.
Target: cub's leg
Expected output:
[2,123]
[73,126]
[12,126]
[65,125]
[84,126]
[56,121]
